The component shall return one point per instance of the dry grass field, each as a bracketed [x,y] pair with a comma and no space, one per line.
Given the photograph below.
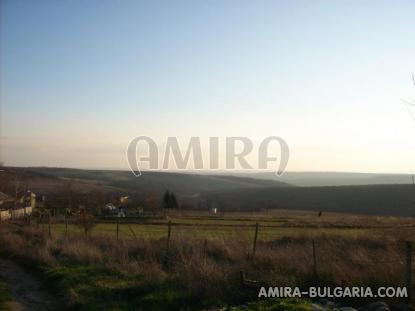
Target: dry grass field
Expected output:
[201,263]
[241,226]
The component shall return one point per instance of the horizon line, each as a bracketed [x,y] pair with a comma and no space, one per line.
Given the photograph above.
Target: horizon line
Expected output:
[184,171]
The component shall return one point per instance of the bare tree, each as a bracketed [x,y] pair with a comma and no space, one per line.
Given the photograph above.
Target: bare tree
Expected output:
[85,221]
[410,102]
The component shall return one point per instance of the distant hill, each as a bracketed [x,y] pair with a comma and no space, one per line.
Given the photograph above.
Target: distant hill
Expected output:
[49,180]
[313,179]
[393,200]
[239,192]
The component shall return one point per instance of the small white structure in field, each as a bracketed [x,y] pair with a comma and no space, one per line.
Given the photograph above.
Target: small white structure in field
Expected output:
[110,207]
[213,210]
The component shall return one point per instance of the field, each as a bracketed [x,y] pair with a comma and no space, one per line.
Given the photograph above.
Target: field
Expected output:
[212,232]
[241,226]
[199,266]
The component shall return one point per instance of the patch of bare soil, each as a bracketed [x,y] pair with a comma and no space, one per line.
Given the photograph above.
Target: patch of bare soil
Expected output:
[26,290]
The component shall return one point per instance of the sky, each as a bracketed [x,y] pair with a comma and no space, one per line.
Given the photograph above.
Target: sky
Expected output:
[80,79]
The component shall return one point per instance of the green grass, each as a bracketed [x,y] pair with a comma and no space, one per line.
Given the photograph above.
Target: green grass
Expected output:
[276,305]
[4,295]
[100,286]
[198,231]
[95,287]
[240,226]
[90,287]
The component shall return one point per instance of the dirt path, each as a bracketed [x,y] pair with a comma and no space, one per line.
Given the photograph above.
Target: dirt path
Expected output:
[26,291]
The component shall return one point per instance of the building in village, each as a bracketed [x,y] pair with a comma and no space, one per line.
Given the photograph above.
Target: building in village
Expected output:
[11,208]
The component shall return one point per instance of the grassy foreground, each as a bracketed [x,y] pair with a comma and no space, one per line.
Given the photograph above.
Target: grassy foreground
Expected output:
[4,296]
[276,305]
[68,279]
[100,272]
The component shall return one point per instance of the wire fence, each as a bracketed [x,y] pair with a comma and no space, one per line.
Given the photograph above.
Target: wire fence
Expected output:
[124,228]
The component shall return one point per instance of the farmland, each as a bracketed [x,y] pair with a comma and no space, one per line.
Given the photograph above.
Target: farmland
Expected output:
[199,265]
[241,226]
[211,232]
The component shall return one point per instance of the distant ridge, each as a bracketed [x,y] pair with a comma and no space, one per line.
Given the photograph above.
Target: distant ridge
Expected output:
[46,180]
[240,192]
[312,179]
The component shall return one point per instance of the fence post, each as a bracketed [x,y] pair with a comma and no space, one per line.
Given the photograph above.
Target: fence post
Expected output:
[314,260]
[42,220]
[66,225]
[255,240]
[118,227]
[50,232]
[204,250]
[168,234]
[409,269]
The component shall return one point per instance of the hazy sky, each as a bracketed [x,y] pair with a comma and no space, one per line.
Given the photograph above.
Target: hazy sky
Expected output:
[80,79]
